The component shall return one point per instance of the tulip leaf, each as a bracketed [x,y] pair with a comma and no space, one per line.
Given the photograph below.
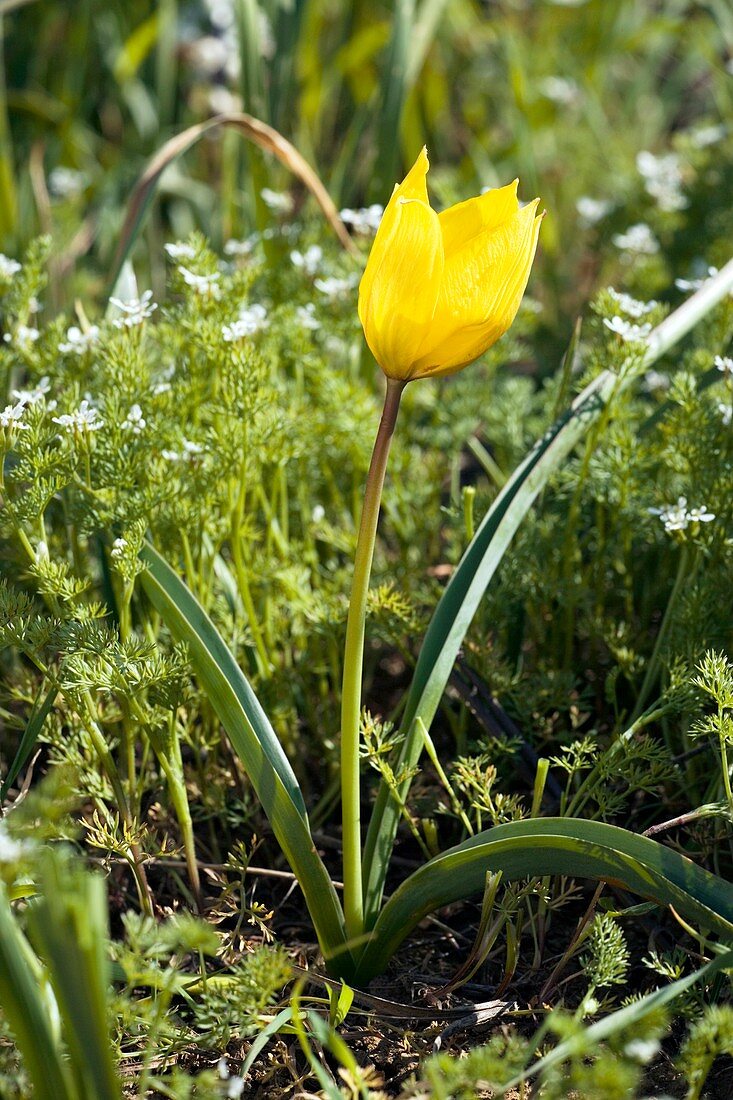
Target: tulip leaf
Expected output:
[546,846]
[252,738]
[458,604]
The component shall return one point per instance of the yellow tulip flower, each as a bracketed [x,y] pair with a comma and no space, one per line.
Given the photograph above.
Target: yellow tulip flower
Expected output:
[439,289]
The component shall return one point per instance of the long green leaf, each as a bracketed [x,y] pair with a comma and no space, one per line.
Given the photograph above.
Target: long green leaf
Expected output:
[539,847]
[27,1013]
[255,742]
[458,604]
[30,736]
[68,925]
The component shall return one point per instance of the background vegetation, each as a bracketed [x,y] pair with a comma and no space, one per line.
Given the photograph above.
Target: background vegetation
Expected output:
[242,451]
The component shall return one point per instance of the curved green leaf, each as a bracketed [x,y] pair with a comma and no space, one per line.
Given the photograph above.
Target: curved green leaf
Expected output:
[549,846]
[458,604]
[254,740]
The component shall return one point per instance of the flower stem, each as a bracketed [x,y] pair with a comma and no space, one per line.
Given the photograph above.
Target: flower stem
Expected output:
[353,663]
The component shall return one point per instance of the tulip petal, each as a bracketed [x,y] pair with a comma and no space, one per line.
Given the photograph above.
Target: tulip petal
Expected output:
[397,302]
[413,186]
[482,287]
[462,222]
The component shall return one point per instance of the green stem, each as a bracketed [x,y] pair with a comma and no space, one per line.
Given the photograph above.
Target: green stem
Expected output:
[353,663]
[653,666]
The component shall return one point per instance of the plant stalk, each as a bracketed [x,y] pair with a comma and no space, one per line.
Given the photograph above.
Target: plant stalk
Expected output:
[354,661]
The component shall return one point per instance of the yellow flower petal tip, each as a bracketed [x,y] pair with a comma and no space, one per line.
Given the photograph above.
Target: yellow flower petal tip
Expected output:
[439,289]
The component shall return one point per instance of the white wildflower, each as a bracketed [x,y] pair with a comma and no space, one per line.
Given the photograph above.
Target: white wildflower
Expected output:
[662,179]
[8,267]
[333,287]
[134,311]
[560,90]
[64,183]
[32,397]
[205,285]
[656,380]
[11,850]
[364,221]
[642,1050]
[252,319]
[637,238]
[725,364]
[631,306]
[626,330]
[78,341]
[12,417]
[179,250]
[308,261]
[170,456]
[241,248]
[42,550]
[84,419]
[700,515]
[695,284]
[318,513]
[222,101]
[190,448]
[592,211]
[134,421]
[209,54]
[23,336]
[707,135]
[278,201]
[306,316]
[726,413]
[118,549]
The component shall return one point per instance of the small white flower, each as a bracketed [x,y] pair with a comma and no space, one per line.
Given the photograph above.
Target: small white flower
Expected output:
[170,456]
[64,182]
[626,330]
[707,135]
[11,850]
[208,54]
[308,261]
[592,211]
[42,550]
[23,336]
[134,421]
[307,317]
[318,513]
[32,397]
[637,238]
[700,515]
[333,287]
[179,250]
[118,549]
[364,221]
[77,341]
[252,319]
[191,448]
[656,380]
[726,413]
[695,284]
[642,1050]
[662,179]
[84,419]
[631,306]
[8,267]
[241,248]
[674,516]
[205,285]
[725,364]
[12,417]
[134,311]
[279,201]
[560,90]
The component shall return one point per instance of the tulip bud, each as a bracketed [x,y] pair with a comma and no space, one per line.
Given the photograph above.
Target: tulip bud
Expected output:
[439,289]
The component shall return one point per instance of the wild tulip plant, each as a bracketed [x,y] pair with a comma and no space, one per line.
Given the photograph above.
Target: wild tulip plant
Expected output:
[438,290]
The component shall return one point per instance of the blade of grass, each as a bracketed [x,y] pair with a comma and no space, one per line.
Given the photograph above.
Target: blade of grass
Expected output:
[545,846]
[31,734]
[258,132]
[458,604]
[69,927]
[254,741]
[27,1013]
